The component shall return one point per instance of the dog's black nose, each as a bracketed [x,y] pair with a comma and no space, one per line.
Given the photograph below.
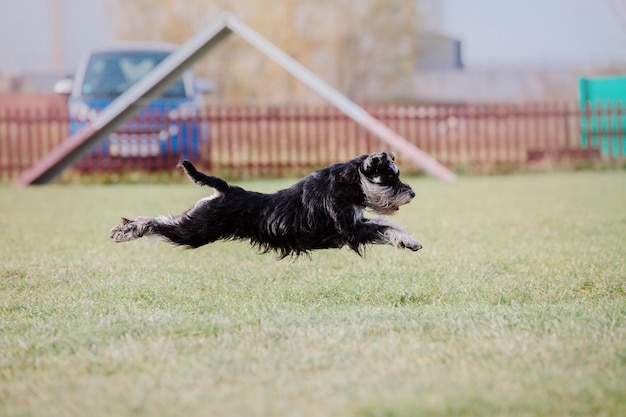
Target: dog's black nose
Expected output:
[412,194]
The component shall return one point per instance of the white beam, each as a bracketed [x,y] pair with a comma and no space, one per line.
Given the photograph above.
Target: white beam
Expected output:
[351,109]
[175,64]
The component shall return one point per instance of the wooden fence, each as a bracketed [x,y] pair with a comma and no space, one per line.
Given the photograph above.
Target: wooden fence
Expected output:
[262,141]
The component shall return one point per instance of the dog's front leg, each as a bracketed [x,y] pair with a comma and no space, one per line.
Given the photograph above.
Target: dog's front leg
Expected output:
[379,230]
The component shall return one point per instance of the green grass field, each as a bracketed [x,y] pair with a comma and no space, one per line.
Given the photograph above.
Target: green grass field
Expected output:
[515,307]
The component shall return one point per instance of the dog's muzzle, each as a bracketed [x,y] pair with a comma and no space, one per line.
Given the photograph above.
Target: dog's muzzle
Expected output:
[386,198]
[404,195]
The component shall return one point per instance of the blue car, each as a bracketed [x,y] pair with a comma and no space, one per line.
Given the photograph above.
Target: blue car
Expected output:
[168,126]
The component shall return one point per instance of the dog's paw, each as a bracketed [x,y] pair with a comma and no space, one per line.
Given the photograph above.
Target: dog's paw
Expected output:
[412,244]
[125,231]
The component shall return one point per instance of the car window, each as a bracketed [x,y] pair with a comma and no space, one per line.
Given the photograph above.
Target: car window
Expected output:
[109,74]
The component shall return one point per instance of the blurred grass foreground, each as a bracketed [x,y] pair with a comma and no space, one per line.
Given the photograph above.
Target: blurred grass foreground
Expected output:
[516,306]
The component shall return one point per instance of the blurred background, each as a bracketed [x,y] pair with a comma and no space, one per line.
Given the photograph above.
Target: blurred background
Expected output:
[371,50]
[479,85]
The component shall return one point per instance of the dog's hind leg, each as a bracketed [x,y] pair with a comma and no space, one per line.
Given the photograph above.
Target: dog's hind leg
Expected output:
[188,229]
[192,228]
[133,229]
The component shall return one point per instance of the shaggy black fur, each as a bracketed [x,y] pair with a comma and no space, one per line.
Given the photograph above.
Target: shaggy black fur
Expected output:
[323,210]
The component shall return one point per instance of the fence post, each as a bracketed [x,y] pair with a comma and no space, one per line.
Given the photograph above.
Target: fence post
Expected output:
[621,135]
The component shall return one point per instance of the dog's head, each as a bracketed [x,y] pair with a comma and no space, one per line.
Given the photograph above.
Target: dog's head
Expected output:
[381,185]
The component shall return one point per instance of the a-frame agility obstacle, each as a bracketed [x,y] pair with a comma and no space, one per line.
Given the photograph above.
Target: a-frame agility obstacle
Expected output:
[174,65]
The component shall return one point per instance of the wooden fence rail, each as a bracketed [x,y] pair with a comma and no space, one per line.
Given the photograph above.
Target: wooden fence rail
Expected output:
[261,141]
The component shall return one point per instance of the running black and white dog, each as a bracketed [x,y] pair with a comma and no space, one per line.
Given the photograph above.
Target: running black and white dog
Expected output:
[324,210]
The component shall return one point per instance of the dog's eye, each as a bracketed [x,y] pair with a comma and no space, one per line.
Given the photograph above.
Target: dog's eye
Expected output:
[395,172]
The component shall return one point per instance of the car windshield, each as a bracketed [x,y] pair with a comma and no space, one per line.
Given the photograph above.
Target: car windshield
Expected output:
[109,74]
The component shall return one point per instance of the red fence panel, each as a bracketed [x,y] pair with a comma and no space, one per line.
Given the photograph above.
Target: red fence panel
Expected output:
[271,141]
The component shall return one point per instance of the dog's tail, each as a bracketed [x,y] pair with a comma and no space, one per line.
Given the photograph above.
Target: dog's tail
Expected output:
[203,179]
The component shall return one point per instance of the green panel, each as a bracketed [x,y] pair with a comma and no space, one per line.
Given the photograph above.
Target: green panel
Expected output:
[603,119]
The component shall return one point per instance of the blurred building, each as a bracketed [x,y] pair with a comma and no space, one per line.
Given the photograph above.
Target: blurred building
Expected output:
[27,82]
[437,52]
[435,70]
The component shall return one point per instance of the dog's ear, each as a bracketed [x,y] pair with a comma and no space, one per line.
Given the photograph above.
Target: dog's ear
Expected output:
[372,162]
[379,168]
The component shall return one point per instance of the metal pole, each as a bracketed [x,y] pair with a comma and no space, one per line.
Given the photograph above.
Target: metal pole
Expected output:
[354,111]
[174,65]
